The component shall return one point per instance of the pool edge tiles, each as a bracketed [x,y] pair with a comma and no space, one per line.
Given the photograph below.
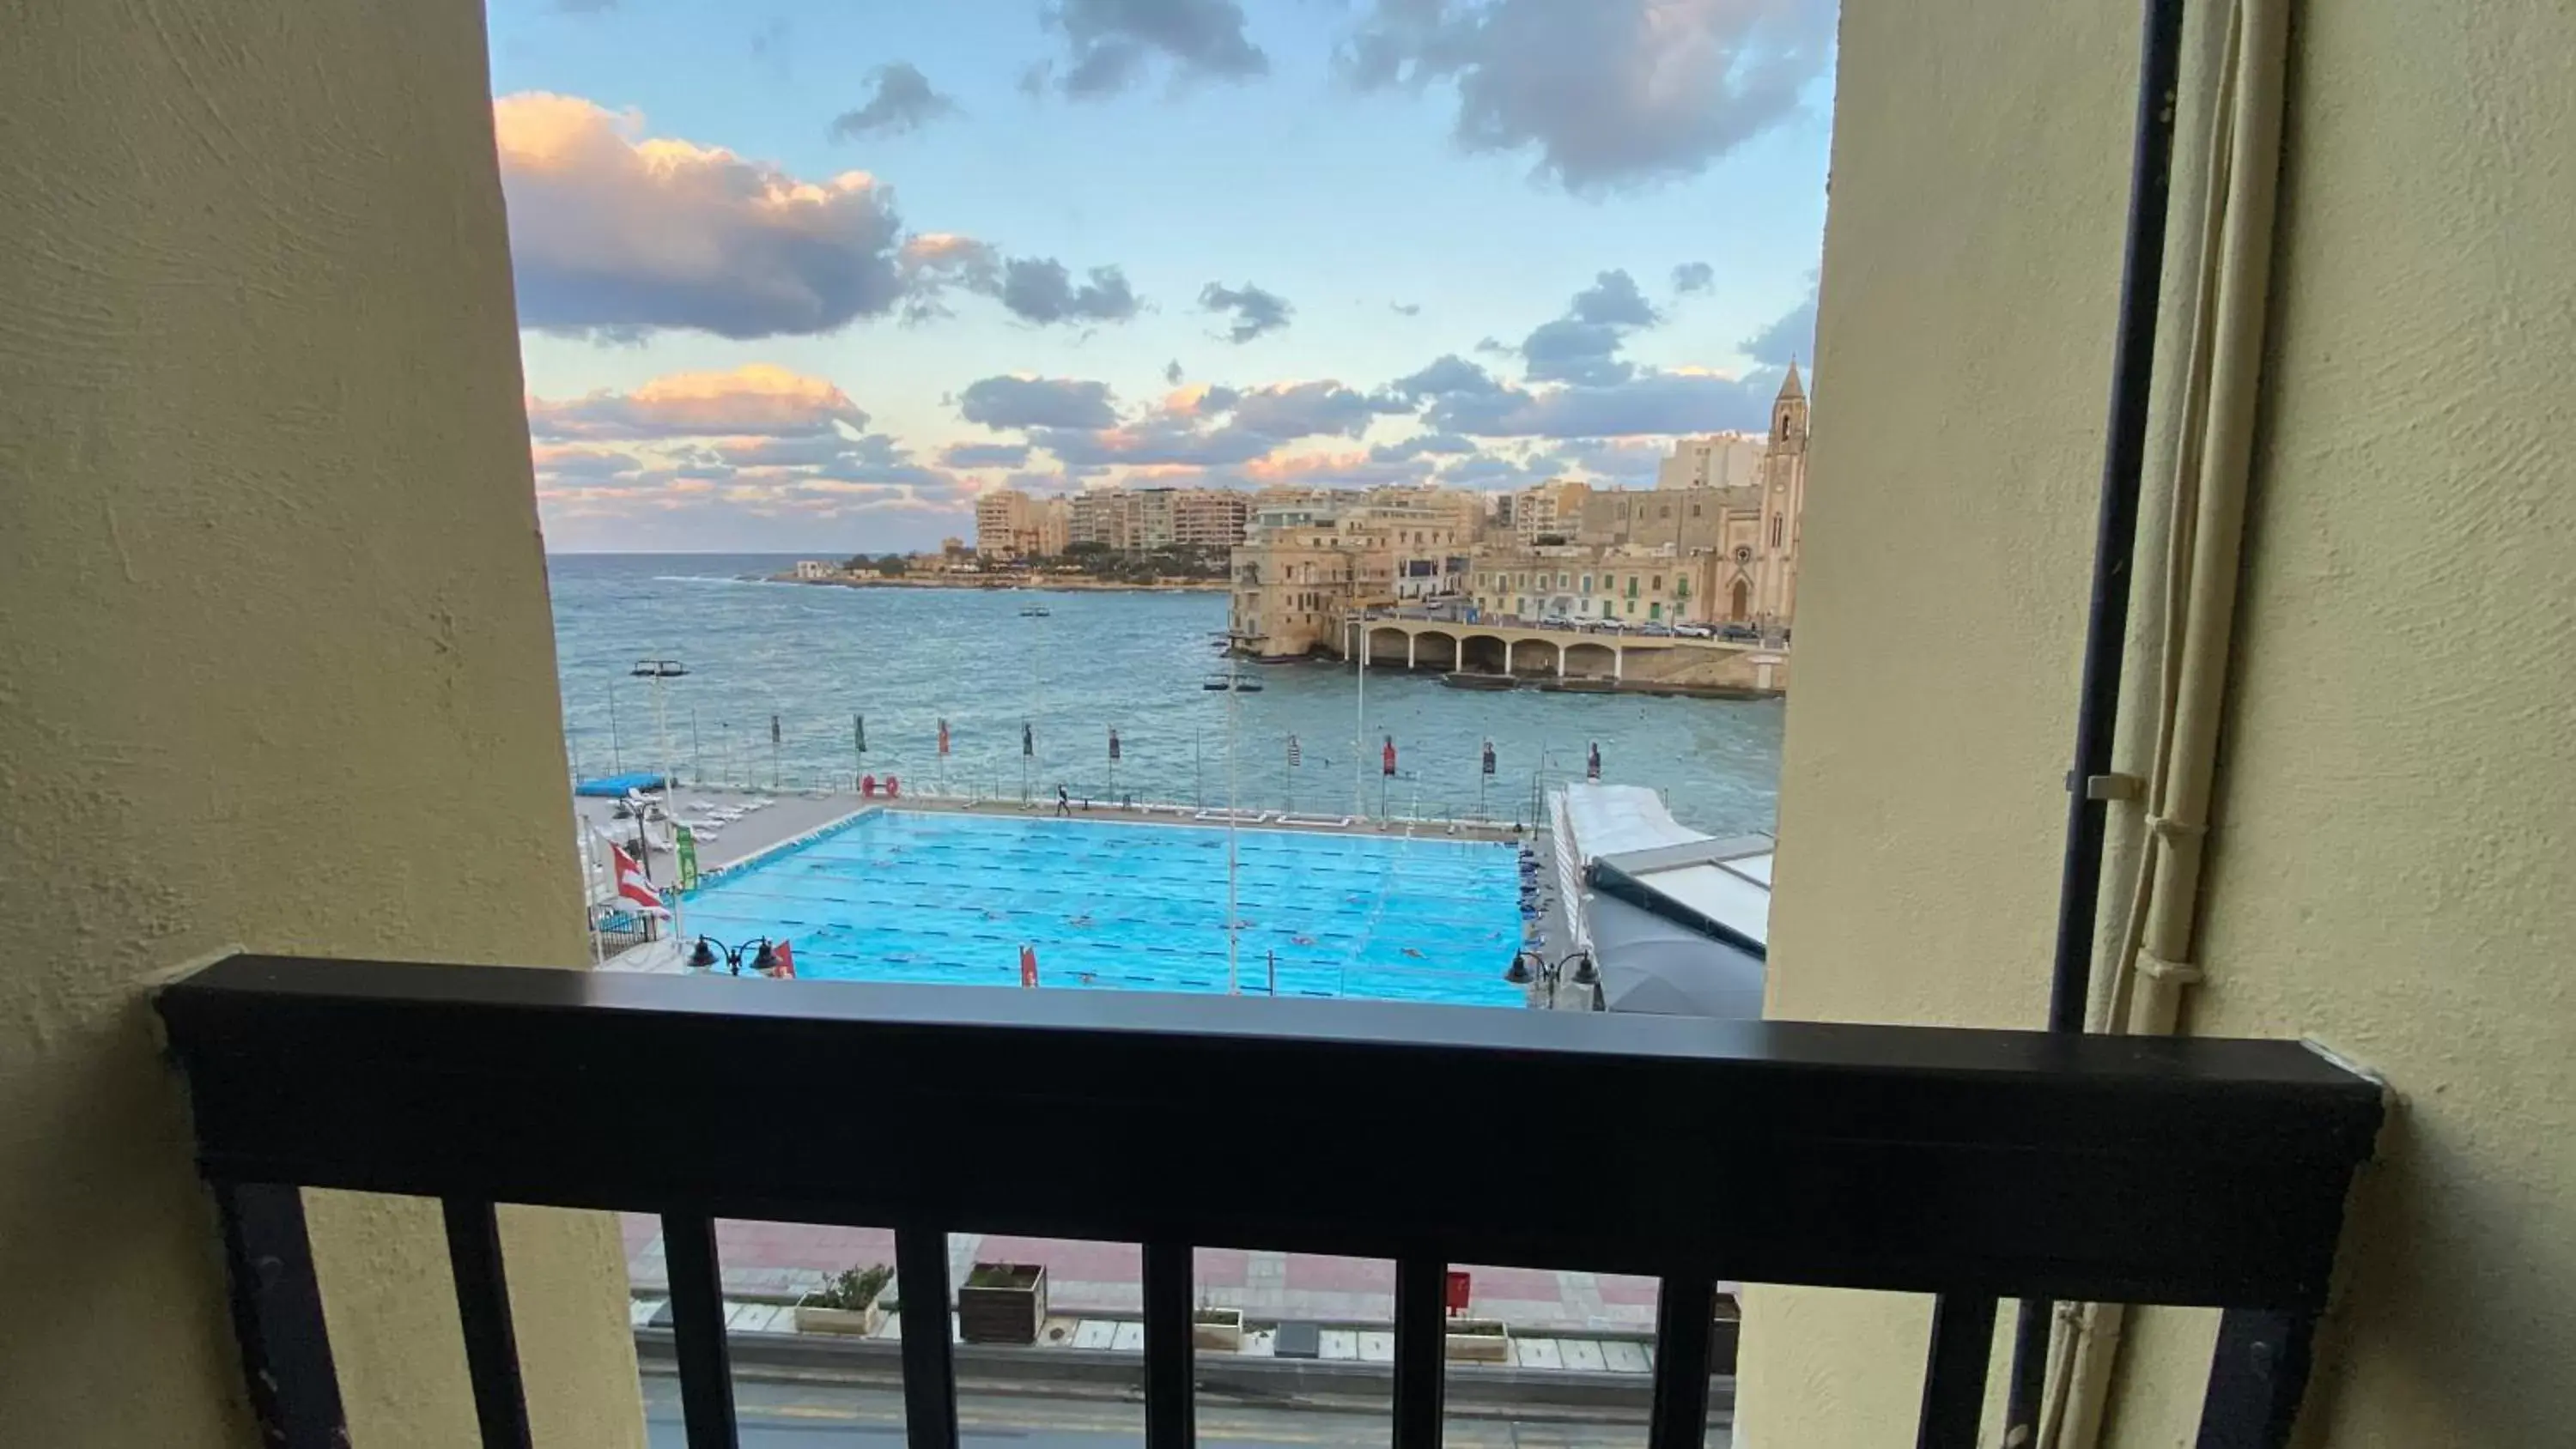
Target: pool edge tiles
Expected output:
[890,894]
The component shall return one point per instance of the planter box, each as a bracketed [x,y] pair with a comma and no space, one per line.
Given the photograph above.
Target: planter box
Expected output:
[1479,1340]
[1218,1330]
[1002,1303]
[855,1322]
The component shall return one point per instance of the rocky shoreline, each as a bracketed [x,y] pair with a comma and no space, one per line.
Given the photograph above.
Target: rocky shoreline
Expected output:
[1073,584]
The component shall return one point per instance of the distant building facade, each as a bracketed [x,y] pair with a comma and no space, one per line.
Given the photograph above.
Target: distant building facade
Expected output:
[1715,542]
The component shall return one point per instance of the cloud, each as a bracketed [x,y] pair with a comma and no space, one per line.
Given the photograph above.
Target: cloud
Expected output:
[1491,471]
[1692,277]
[1303,410]
[1172,372]
[1446,376]
[1037,402]
[1405,309]
[1421,445]
[757,400]
[1040,290]
[1785,341]
[1571,351]
[902,101]
[1109,43]
[1650,401]
[1603,94]
[1583,345]
[1627,461]
[611,233]
[1255,311]
[985,455]
[1614,301]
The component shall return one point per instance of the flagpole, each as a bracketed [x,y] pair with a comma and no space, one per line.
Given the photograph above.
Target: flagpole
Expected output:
[1359,721]
[1233,928]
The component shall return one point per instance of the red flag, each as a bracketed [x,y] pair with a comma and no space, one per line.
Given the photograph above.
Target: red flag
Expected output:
[786,961]
[631,883]
[1028,965]
[943,737]
[1389,757]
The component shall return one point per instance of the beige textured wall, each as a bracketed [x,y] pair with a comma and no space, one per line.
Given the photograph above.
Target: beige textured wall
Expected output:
[2388,870]
[268,571]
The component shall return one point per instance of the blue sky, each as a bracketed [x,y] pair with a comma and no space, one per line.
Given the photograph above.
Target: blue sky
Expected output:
[1188,241]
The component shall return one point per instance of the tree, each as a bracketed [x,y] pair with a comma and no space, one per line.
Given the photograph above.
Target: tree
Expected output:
[893,566]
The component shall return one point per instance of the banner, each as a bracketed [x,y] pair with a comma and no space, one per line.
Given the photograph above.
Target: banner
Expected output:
[688,859]
[943,737]
[1386,761]
[1489,757]
[1028,740]
[1113,742]
[859,731]
[1295,756]
[773,729]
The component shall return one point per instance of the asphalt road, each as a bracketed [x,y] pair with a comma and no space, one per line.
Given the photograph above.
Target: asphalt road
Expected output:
[840,1416]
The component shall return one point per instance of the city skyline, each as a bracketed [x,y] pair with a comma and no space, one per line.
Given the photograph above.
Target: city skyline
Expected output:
[809,279]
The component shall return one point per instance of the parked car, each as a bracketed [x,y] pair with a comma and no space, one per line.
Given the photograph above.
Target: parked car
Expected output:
[1656,627]
[1740,634]
[1695,631]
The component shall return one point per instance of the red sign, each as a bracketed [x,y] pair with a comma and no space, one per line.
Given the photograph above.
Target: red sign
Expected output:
[1457,1291]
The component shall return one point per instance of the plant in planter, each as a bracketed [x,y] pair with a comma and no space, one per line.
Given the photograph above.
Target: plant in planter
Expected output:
[1002,1303]
[1218,1330]
[848,1303]
[1479,1340]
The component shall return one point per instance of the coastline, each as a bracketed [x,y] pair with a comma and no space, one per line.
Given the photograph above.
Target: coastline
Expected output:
[1042,583]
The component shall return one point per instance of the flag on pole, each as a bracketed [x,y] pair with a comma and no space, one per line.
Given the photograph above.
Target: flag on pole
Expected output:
[786,962]
[1489,757]
[1113,742]
[859,729]
[943,737]
[1592,765]
[1386,761]
[631,884]
[1028,740]
[688,849]
[1028,965]
[773,729]
[1296,756]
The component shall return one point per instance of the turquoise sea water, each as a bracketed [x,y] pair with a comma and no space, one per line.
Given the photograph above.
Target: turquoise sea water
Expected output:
[814,656]
[1132,907]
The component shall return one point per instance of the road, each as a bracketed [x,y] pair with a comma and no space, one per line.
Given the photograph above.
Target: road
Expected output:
[839,1416]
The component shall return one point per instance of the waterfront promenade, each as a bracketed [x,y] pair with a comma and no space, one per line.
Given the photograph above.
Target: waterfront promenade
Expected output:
[781,1260]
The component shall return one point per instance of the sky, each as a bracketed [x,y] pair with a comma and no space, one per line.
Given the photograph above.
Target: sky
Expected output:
[807,277]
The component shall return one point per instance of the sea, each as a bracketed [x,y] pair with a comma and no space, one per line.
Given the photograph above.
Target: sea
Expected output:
[802,686]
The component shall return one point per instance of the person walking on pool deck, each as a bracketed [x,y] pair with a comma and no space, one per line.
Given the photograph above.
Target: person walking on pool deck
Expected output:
[1063,801]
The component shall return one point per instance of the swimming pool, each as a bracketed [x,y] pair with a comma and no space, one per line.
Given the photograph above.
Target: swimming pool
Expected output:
[950,899]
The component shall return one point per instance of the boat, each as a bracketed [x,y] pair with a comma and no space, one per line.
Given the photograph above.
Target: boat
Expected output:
[1036,611]
[1463,680]
[1240,684]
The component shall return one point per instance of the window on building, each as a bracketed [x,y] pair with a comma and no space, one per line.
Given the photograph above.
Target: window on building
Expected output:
[1665,511]
[1587,583]
[1658,584]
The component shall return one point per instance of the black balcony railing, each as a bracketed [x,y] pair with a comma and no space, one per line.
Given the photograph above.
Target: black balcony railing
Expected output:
[1973,1165]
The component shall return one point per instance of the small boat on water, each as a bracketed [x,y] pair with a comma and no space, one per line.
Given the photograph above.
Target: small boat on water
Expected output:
[1479,681]
[1239,683]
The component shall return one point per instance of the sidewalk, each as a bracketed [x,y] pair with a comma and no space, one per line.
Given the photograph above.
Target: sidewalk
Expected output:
[763,1259]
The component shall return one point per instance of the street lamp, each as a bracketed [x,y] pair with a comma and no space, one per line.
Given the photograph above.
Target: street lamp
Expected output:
[658,670]
[763,953]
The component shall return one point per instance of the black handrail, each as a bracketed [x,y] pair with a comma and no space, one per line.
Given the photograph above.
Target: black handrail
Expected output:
[1971,1164]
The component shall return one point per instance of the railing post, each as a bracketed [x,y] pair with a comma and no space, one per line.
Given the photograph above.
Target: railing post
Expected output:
[1171,1413]
[698,1329]
[1954,1373]
[2256,1379]
[929,1369]
[277,1317]
[1683,1310]
[483,1311]
[1421,1351]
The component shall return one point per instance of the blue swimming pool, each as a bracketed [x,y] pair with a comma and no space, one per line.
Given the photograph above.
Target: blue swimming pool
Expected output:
[1124,906]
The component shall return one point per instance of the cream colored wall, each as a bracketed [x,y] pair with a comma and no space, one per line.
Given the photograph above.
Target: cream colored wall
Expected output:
[2388,870]
[275,668]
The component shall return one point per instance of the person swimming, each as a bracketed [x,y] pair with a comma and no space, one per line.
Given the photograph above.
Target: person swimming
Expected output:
[1081,920]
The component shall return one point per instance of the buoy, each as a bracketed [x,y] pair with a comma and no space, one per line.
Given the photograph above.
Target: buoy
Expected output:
[894,787]
[868,785]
